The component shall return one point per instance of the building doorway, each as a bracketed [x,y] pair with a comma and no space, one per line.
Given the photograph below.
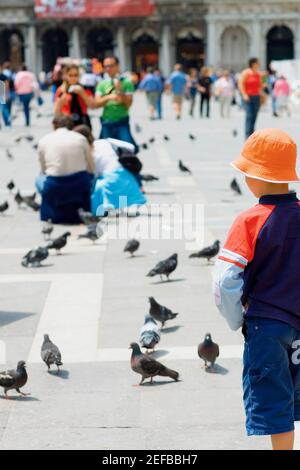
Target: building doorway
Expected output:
[280,44]
[99,43]
[144,52]
[55,43]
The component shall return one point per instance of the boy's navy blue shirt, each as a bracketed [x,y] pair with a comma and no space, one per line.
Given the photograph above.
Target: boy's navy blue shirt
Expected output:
[260,263]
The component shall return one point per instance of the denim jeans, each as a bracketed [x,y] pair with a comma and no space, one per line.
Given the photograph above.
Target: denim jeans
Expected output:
[251,108]
[118,130]
[159,106]
[5,109]
[25,99]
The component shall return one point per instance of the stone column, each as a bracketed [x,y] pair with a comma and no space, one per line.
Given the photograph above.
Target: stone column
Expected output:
[165,53]
[120,49]
[297,41]
[31,49]
[211,43]
[75,43]
[256,49]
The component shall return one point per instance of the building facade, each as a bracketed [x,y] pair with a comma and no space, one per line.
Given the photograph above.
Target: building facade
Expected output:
[219,33]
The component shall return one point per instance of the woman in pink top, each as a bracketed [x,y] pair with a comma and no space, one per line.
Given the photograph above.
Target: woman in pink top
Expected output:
[25,85]
[282,92]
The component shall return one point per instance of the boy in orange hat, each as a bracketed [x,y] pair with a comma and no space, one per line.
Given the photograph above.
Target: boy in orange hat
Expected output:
[256,286]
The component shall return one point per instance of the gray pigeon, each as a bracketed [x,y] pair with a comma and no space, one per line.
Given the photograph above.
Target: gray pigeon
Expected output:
[209,252]
[10,186]
[208,351]
[9,154]
[32,204]
[47,229]
[14,379]
[87,218]
[4,207]
[149,178]
[132,246]
[35,257]
[148,367]
[50,354]
[18,198]
[183,168]
[234,185]
[93,233]
[59,243]
[149,334]
[165,267]
[160,313]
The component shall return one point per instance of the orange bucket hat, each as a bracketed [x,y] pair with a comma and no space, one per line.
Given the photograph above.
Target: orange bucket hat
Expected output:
[269,155]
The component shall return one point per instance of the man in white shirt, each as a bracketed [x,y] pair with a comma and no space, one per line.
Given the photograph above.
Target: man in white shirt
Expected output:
[63,152]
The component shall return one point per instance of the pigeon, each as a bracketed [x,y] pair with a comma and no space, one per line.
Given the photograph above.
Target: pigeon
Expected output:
[149,178]
[208,252]
[234,133]
[138,129]
[59,243]
[18,139]
[165,267]
[4,207]
[152,140]
[183,168]
[10,186]
[47,229]
[30,138]
[144,146]
[50,354]
[149,334]
[234,185]
[35,257]
[87,218]
[208,351]
[160,313]
[9,154]
[18,199]
[30,198]
[35,146]
[93,232]
[14,379]
[132,246]
[32,204]
[192,137]
[148,367]
[166,138]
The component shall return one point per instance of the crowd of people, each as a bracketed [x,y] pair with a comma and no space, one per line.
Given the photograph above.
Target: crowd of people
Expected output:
[94,171]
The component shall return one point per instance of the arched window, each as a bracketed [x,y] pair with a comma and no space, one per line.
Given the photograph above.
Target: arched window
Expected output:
[55,43]
[99,43]
[12,47]
[234,48]
[144,52]
[280,44]
[190,50]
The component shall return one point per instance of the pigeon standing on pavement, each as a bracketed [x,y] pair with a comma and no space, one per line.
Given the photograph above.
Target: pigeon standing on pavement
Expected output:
[160,313]
[9,154]
[4,207]
[18,199]
[208,252]
[166,138]
[152,140]
[234,133]
[50,354]
[149,334]
[148,367]
[93,233]
[59,243]
[208,351]
[35,257]
[144,146]
[149,178]
[33,205]
[14,379]
[132,246]
[47,229]
[234,185]
[192,137]
[165,267]
[10,186]
[87,218]
[183,168]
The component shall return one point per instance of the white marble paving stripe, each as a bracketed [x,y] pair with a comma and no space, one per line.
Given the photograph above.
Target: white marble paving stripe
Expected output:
[70,315]
[172,353]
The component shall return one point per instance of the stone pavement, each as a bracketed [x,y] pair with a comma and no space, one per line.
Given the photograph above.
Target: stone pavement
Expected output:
[92,301]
